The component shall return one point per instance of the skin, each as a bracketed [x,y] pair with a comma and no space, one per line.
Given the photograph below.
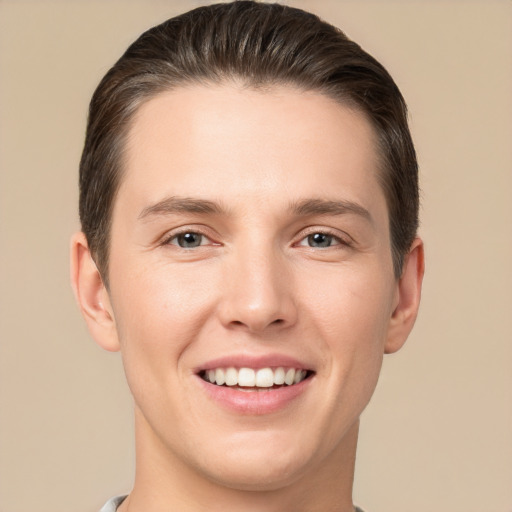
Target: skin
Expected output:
[257,284]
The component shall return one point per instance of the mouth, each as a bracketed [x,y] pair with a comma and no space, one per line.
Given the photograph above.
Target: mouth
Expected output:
[255,379]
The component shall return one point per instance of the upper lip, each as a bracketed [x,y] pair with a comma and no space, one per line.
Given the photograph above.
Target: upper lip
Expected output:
[255,362]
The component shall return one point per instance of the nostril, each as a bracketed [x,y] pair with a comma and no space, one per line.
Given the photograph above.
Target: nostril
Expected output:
[240,323]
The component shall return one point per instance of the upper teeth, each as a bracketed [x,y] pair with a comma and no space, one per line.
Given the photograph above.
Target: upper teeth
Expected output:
[249,377]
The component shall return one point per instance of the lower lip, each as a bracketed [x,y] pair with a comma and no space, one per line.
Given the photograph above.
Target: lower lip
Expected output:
[255,402]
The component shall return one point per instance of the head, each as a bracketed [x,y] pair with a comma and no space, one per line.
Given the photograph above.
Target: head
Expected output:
[258,45]
[249,204]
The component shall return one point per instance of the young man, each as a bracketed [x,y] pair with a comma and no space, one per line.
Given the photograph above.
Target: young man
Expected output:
[249,202]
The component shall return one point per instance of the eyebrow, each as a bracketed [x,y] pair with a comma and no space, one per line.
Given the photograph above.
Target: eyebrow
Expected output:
[329,207]
[173,204]
[306,207]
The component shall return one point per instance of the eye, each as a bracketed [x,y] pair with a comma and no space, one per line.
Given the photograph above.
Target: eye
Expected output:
[188,240]
[320,240]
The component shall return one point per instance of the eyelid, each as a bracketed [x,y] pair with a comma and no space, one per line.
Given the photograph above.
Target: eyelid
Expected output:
[343,238]
[174,233]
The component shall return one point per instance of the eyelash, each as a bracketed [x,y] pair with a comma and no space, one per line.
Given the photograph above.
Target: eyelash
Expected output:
[339,241]
[175,235]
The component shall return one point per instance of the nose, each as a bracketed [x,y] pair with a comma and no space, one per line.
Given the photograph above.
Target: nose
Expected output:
[258,292]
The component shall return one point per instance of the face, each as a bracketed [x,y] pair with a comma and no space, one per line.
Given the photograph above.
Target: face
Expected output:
[250,244]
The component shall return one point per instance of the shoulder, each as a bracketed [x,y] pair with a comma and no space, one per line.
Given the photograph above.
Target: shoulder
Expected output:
[113,503]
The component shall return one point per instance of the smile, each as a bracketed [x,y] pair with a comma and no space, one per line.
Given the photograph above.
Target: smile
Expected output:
[255,379]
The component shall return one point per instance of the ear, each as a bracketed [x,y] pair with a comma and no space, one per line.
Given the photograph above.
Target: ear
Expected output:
[91,295]
[408,298]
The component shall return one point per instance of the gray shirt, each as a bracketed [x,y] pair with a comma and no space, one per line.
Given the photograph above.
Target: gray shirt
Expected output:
[113,503]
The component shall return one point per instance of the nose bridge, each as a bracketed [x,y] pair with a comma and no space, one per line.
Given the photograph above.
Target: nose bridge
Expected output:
[258,287]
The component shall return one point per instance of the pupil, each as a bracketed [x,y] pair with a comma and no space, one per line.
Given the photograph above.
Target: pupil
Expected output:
[189,240]
[319,240]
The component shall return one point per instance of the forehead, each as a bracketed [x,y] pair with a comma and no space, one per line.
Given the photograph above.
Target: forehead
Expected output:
[230,140]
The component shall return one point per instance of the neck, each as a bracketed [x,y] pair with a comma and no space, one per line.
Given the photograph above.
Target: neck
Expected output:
[166,482]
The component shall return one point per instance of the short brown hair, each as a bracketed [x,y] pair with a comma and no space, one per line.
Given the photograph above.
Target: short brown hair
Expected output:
[261,44]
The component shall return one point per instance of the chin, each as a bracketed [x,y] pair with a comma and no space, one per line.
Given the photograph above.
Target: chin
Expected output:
[259,464]
[251,476]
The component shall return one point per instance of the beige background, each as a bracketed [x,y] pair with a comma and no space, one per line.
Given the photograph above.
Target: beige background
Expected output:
[438,433]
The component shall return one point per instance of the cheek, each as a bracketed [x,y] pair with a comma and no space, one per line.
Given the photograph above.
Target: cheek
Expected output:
[352,315]
[351,306]
[160,296]
[159,313]
[346,315]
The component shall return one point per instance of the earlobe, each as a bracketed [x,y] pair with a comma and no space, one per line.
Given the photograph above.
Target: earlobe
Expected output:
[409,294]
[91,295]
